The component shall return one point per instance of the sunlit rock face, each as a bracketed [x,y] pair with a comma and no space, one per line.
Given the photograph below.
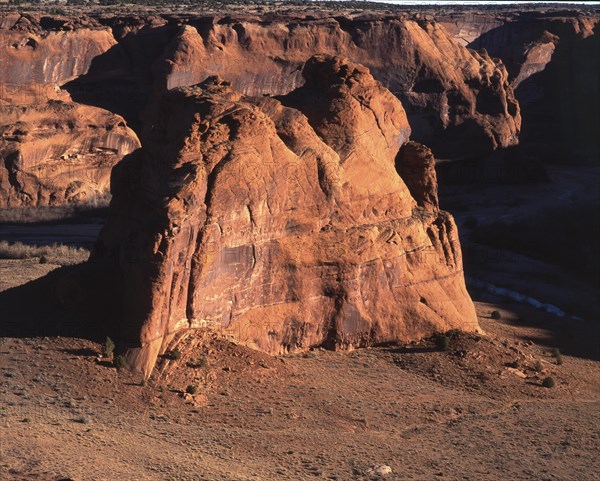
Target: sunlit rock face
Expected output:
[59,153]
[458,101]
[54,151]
[279,221]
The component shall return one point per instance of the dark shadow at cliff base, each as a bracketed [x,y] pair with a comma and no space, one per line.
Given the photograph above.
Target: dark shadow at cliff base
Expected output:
[560,104]
[33,310]
[573,337]
[511,165]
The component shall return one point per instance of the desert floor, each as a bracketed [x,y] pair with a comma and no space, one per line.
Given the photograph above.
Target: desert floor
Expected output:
[474,412]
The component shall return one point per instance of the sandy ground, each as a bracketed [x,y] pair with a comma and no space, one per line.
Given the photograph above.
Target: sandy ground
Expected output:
[474,412]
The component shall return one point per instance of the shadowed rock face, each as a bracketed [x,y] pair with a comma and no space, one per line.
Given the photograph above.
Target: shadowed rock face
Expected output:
[59,152]
[416,165]
[279,221]
[458,102]
[554,67]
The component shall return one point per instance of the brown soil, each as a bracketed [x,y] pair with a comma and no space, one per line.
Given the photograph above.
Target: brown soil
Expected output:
[475,411]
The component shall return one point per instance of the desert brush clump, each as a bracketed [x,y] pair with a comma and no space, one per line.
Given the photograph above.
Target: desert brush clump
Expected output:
[175,354]
[496,315]
[108,347]
[53,254]
[191,389]
[557,355]
[120,362]
[548,382]
[442,342]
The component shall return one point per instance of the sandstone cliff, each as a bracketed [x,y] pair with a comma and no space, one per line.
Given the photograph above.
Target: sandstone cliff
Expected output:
[53,150]
[59,152]
[458,101]
[554,66]
[279,221]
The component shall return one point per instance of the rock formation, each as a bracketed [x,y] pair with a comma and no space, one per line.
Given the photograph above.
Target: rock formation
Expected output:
[416,165]
[458,101]
[59,152]
[53,150]
[280,221]
[554,66]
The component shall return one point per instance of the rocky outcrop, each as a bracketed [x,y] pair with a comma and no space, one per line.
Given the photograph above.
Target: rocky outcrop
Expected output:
[416,165]
[554,66]
[279,221]
[458,101]
[47,51]
[53,150]
[59,152]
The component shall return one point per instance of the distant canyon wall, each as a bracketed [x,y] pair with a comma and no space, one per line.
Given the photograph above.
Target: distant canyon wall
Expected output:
[458,101]
[553,60]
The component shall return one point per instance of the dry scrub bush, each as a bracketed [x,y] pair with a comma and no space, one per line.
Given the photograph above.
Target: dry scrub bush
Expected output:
[52,254]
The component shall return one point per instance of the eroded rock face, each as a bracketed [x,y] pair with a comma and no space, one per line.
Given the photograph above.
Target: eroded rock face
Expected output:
[458,101]
[54,151]
[47,51]
[416,165]
[59,152]
[279,221]
[554,67]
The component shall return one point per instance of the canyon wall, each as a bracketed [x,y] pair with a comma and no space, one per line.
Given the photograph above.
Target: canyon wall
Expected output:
[458,101]
[553,60]
[280,221]
[54,151]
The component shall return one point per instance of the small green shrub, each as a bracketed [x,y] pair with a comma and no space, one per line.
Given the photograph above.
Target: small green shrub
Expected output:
[555,351]
[108,347]
[559,359]
[548,382]
[120,362]
[143,382]
[175,354]
[496,315]
[199,364]
[452,333]
[538,367]
[442,342]
[191,389]
[43,260]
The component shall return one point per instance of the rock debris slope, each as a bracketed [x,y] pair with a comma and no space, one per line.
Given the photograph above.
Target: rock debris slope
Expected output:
[279,221]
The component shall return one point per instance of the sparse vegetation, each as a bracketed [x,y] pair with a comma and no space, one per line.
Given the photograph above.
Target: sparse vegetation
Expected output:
[191,389]
[54,254]
[175,354]
[200,363]
[120,362]
[496,315]
[108,347]
[548,382]
[538,367]
[62,213]
[442,342]
[558,356]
